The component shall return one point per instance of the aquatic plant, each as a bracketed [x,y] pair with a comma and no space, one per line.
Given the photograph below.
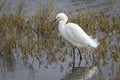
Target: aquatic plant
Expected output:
[36,37]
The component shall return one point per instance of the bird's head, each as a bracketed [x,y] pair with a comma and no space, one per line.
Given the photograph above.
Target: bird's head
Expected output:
[61,16]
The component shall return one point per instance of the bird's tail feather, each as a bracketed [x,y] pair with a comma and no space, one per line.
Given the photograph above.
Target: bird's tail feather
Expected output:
[96,42]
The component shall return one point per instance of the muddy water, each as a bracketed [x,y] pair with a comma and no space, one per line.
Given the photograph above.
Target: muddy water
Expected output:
[15,67]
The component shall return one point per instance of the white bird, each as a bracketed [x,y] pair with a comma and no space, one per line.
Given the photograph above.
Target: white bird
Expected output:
[74,33]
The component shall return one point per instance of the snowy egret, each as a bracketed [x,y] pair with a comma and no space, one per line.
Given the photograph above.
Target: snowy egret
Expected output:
[74,33]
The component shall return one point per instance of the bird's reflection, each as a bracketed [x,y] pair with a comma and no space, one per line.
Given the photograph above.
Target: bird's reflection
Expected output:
[81,73]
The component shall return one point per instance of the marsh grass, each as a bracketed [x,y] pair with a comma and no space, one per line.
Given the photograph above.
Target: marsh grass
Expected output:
[107,29]
[37,37]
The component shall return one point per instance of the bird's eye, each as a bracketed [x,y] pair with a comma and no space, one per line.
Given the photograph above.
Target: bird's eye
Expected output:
[58,18]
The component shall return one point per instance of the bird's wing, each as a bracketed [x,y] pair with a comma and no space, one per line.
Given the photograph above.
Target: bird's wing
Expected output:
[76,33]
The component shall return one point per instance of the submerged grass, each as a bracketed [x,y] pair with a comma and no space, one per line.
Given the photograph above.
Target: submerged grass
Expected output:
[39,28]
[37,37]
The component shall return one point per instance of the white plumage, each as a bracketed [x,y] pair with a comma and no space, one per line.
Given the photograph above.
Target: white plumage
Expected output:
[74,33]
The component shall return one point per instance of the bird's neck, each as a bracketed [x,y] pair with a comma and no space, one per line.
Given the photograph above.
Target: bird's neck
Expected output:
[61,26]
[62,23]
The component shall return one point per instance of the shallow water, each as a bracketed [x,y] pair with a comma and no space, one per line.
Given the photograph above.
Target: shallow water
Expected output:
[15,67]
[72,6]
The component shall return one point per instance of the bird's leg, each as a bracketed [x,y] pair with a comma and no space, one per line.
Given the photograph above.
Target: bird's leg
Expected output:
[80,57]
[73,58]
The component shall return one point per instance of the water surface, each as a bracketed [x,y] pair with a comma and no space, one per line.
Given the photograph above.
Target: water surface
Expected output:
[13,65]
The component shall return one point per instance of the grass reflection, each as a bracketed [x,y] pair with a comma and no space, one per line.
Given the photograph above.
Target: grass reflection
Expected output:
[36,38]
